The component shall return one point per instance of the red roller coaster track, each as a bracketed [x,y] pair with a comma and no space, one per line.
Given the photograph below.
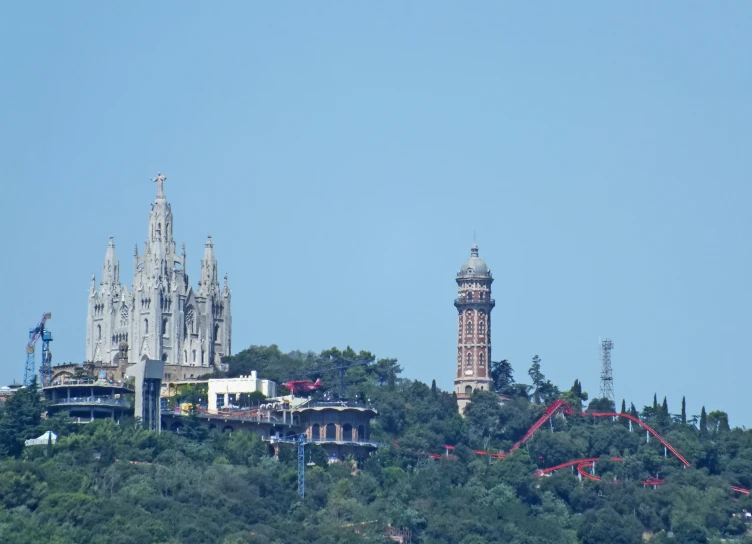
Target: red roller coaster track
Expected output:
[562,406]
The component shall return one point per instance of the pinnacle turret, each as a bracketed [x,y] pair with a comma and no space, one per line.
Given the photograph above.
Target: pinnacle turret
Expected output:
[111,267]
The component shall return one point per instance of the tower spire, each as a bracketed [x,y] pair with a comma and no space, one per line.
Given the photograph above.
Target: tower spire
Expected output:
[110,267]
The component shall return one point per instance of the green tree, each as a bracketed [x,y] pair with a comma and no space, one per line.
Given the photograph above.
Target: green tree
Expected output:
[502,375]
[684,411]
[20,418]
[717,421]
[537,377]
[703,421]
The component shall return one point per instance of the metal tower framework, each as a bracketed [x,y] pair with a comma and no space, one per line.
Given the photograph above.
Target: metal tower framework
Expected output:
[607,375]
[301,465]
[45,368]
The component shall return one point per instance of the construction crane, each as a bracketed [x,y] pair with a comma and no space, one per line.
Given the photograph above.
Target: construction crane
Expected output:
[45,368]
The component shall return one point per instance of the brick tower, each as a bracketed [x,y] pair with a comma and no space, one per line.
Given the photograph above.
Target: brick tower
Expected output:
[474,305]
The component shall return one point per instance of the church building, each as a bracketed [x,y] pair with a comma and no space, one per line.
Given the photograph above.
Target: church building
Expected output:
[161,316]
[474,305]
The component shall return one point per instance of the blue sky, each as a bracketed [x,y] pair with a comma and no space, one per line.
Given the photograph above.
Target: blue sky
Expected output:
[341,155]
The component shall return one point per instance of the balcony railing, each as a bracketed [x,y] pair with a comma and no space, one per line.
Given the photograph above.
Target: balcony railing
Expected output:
[92,401]
[465,300]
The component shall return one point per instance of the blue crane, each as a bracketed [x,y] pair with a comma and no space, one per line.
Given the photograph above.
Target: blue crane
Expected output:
[45,368]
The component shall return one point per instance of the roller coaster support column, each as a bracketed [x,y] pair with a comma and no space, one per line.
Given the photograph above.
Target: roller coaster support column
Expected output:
[630,425]
[665,451]
[647,436]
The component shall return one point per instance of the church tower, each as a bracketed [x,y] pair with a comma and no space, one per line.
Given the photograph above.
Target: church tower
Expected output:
[161,317]
[474,305]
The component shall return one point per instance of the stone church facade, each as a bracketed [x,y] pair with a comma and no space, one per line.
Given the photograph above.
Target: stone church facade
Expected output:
[161,316]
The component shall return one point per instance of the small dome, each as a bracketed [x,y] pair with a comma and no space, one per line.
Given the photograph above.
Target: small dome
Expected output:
[474,266]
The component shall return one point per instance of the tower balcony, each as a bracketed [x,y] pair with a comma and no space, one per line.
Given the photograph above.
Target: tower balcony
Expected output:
[465,301]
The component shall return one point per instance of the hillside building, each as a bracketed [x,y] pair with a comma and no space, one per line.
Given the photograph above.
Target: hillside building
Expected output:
[474,305]
[161,316]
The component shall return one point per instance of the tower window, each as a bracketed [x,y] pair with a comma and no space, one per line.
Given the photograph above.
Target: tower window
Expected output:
[164,327]
[481,359]
[216,333]
[469,328]
[481,327]
[469,296]
[482,295]
[468,390]
[99,332]
[159,230]
[146,326]
[469,359]
[193,356]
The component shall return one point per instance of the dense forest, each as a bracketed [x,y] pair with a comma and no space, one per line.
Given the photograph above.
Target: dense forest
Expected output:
[109,483]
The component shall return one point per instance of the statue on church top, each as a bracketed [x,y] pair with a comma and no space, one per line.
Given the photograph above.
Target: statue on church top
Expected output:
[159,180]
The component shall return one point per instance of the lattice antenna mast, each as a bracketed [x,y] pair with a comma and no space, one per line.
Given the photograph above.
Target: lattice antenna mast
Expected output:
[607,374]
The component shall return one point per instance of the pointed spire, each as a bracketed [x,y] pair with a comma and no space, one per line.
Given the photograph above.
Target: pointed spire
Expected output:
[110,267]
[93,283]
[208,281]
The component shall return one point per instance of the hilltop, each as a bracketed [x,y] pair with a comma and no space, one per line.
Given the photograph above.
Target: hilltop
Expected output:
[107,483]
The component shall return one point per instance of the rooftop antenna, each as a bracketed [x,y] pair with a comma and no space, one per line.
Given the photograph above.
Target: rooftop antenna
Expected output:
[607,374]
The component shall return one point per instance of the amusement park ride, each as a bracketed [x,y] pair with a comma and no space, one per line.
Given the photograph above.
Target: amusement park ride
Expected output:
[562,407]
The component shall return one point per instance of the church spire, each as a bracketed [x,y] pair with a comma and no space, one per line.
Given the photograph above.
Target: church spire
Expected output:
[111,267]
[208,280]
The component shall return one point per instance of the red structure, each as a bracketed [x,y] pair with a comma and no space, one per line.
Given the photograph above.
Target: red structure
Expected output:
[474,305]
[302,386]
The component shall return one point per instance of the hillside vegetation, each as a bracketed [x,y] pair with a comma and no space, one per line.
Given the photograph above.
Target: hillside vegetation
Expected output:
[108,483]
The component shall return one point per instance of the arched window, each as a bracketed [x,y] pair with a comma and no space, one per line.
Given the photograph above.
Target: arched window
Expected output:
[482,295]
[216,333]
[185,356]
[193,356]
[470,296]
[481,327]
[481,359]
[469,328]
[468,390]
[164,327]
[99,332]
[146,326]
[469,358]
[315,432]
[159,230]
[331,431]
[203,353]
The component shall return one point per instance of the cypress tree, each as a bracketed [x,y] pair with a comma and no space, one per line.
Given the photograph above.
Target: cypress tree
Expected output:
[655,403]
[433,388]
[703,421]
[623,406]
[665,407]
[684,411]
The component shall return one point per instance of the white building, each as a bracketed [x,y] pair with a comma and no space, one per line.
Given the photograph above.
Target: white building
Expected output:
[226,391]
[161,316]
